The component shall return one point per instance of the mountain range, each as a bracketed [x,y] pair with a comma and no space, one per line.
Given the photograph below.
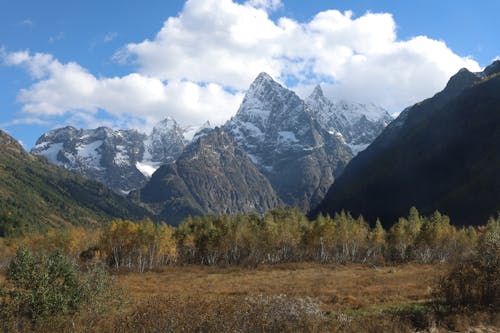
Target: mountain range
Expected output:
[123,160]
[294,149]
[278,149]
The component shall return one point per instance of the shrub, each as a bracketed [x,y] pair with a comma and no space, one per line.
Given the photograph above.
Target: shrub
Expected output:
[39,287]
[476,282]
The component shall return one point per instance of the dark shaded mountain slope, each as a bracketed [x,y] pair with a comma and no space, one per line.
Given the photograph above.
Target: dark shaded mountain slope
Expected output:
[442,153]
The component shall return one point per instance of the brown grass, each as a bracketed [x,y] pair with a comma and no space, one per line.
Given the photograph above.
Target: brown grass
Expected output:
[302,297]
[337,287]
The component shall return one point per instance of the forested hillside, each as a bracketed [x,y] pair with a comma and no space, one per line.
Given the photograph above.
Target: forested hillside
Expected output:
[37,195]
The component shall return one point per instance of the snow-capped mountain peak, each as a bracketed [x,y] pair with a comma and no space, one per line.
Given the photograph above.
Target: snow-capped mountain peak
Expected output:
[277,131]
[264,95]
[358,124]
[121,159]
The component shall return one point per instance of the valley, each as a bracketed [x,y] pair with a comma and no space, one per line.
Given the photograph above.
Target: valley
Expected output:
[244,166]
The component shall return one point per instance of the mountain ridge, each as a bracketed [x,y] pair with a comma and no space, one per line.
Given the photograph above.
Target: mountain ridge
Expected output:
[440,148]
[121,159]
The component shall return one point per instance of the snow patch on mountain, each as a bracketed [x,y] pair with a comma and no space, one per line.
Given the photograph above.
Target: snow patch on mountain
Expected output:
[121,157]
[88,154]
[287,137]
[50,151]
[146,169]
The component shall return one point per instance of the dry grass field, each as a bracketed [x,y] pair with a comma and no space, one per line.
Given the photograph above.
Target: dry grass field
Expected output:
[336,287]
[294,297]
[350,298]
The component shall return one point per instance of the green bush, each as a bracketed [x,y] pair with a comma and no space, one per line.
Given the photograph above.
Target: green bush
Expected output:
[38,287]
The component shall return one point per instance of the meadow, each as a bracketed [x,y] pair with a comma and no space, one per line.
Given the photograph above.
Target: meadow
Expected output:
[279,273]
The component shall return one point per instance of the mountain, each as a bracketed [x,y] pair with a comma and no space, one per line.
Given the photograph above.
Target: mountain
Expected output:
[299,147]
[441,153]
[282,138]
[213,175]
[35,194]
[123,160]
[358,124]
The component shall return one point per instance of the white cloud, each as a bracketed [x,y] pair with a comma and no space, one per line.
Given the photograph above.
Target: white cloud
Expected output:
[228,43]
[70,90]
[25,121]
[265,4]
[212,41]
[200,62]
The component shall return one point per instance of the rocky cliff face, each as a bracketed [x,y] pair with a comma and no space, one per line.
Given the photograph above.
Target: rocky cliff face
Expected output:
[212,176]
[282,138]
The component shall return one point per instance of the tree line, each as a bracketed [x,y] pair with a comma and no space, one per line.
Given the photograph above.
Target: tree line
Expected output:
[282,235]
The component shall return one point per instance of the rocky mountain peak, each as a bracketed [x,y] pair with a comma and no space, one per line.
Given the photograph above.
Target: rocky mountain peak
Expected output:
[436,154]
[357,124]
[191,132]
[262,79]
[122,159]
[492,69]
[262,87]
[168,127]
[317,100]
[167,124]
[281,137]
[458,82]
[265,96]
[317,93]
[57,134]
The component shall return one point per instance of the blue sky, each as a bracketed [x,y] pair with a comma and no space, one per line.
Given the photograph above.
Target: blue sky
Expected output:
[91,63]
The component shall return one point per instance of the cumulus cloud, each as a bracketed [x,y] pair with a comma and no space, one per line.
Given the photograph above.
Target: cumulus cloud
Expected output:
[70,90]
[228,43]
[199,64]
